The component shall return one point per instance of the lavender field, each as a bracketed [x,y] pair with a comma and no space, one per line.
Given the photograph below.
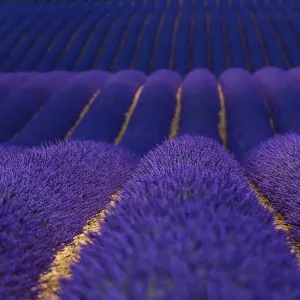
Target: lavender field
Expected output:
[150,150]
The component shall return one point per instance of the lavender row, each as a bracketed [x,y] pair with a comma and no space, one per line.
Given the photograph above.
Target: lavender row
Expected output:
[187,226]
[149,35]
[138,111]
[47,195]
[273,167]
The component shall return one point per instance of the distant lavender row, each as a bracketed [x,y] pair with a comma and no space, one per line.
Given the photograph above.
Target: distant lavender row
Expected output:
[149,35]
[187,227]
[211,3]
[47,195]
[138,110]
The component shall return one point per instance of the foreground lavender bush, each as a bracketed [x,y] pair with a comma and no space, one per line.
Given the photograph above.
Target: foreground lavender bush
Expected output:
[186,232]
[274,168]
[48,195]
